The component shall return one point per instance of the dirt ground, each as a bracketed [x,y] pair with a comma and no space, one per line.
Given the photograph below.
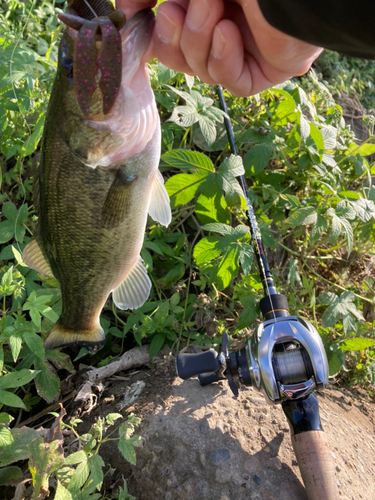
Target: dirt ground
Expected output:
[201,442]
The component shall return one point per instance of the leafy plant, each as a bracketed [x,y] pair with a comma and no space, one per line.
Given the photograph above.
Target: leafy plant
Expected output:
[79,475]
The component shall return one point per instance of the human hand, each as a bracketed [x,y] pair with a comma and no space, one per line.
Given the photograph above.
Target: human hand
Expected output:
[224,41]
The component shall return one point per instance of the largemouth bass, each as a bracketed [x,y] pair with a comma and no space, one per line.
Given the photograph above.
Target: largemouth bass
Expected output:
[98,178]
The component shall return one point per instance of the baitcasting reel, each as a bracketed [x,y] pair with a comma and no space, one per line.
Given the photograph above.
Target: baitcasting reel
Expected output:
[284,359]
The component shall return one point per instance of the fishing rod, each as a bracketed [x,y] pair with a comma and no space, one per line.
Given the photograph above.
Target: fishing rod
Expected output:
[284,359]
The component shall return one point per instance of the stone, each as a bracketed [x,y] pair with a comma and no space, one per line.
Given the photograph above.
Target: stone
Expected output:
[222,476]
[219,456]
[257,480]
[276,462]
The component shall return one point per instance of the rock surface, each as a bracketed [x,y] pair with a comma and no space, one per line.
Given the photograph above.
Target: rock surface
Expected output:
[202,443]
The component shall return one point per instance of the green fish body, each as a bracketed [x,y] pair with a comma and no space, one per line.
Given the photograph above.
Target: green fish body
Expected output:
[97,182]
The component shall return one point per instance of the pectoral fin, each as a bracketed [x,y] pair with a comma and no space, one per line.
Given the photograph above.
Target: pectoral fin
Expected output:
[34,258]
[134,290]
[117,204]
[160,207]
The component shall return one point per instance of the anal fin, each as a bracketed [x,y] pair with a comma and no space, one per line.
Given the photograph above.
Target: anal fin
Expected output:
[34,258]
[160,206]
[134,289]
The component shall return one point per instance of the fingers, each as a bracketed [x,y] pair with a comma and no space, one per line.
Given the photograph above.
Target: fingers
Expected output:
[277,54]
[201,18]
[170,19]
[223,41]
[227,63]
[184,32]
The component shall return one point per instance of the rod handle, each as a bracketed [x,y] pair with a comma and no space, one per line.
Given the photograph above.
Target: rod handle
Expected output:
[316,465]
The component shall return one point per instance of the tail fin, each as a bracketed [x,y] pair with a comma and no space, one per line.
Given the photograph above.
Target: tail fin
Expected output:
[63,337]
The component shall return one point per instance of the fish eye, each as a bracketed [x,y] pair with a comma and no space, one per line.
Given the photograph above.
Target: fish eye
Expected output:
[66,61]
[67,64]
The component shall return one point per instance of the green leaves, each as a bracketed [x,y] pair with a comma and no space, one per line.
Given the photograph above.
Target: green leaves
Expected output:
[31,142]
[44,460]
[249,313]
[37,307]
[364,209]
[303,216]
[340,307]
[62,493]
[188,160]
[362,150]
[11,381]
[198,108]
[14,444]
[47,455]
[211,205]
[127,441]
[17,379]
[257,159]
[47,381]
[356,344]
[11,283]
[13,226]
[6,445]
[340,223]
[157,343]
[10,476]
[231,247]
[207,249]
[340,218]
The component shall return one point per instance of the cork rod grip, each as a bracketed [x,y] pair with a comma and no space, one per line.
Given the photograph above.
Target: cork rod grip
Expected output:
[316,466]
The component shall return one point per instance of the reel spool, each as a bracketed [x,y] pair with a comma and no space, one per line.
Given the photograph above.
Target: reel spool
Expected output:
[291,363]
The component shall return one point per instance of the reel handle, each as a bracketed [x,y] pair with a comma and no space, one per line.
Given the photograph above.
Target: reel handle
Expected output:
[189,365]
[316,465]
[208,378]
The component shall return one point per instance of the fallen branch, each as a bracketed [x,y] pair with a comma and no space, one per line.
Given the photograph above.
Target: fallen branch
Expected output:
[131,359]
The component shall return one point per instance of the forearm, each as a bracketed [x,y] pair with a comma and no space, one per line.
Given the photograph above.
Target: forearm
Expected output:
[347,27]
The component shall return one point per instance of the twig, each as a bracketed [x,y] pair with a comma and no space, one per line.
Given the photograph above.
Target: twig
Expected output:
[314,257]
[135,357]
[49,408]
[200,230]
[338,286]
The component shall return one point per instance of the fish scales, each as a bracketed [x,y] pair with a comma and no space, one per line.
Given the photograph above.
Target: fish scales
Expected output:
[97,182]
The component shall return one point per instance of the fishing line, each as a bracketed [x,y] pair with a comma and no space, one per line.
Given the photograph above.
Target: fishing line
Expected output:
[89,6]
[19,108]
[265,273]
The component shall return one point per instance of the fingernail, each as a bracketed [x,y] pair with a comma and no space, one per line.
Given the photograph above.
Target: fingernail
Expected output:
[165,27]
[218,43]
[198,15]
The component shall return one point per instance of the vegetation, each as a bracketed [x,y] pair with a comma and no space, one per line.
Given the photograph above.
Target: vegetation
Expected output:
[310,182]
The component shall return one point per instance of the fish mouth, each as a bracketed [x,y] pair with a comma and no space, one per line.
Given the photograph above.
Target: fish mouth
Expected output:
[139,30]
